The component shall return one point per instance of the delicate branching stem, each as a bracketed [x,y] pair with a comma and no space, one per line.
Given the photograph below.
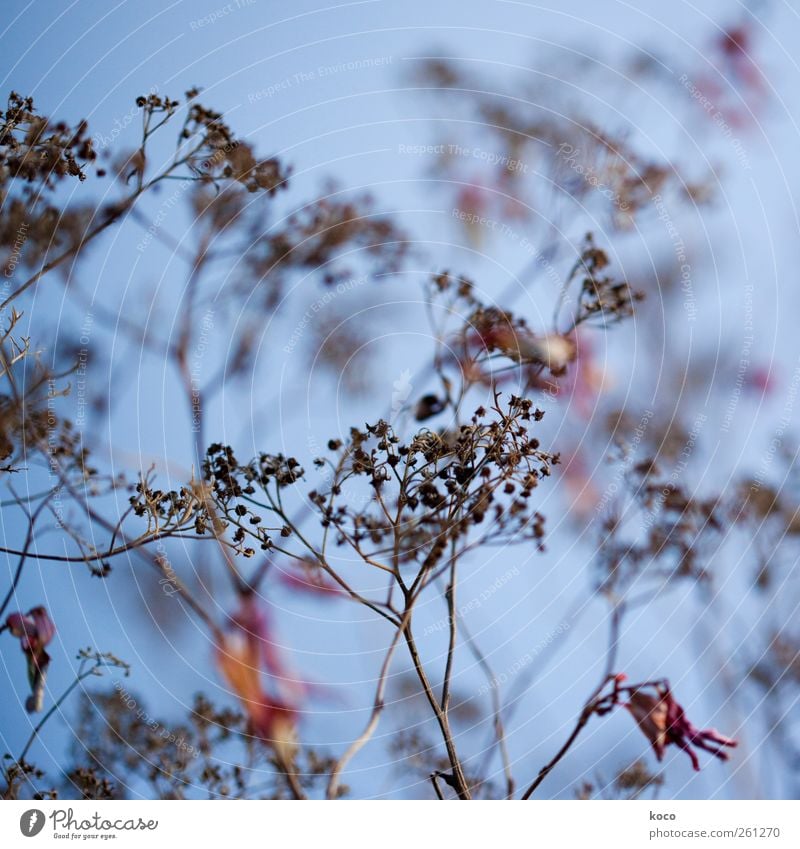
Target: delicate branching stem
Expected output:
[583,719]
[90,665]
[452,622]
[498,726]
[377,708]
[293,782]
[458,778]
[591,703]
[23,556]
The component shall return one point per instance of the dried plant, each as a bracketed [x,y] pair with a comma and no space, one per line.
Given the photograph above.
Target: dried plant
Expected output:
[391,514]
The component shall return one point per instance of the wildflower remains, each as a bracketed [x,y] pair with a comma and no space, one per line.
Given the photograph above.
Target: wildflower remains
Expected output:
[245,651]
[663,721]
[35,630]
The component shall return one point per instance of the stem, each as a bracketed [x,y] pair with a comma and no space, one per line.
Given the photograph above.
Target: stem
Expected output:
[291,779]
[592,702]
[459,781]
[450,596]
[23,556]
[372,723]
[82,676]
[586,713]
[497,710]
[72,250]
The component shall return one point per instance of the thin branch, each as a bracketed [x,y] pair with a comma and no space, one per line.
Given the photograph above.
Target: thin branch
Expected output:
[458,778]
[591,703]
[498,725]
[377,709]
[23,555]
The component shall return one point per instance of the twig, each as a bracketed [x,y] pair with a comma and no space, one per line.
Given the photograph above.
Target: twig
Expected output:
[24,553]
[377,708]
[100,661]
[458,779]
[497,708]
[592,702]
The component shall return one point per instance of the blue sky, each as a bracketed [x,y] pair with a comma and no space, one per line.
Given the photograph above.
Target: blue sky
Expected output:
[326,88]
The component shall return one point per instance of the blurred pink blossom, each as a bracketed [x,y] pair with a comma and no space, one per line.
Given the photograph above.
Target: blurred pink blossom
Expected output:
[35,630]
